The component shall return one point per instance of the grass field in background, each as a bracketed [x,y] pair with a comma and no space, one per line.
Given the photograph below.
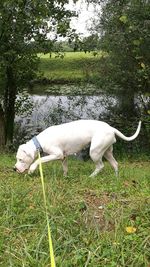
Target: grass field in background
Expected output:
[88,216]
[74,67]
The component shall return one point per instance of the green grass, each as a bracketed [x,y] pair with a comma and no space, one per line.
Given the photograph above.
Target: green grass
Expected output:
[74,67]
[88,216]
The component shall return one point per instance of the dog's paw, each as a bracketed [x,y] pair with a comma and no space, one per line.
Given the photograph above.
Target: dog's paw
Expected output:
[32,168]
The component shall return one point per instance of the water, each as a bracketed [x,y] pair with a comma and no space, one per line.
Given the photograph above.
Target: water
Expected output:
[57,109]
[41,111]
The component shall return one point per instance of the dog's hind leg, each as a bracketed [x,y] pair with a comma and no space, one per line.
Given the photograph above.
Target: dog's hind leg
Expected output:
[99,167]
[109,156]
[99,144]
[96,155]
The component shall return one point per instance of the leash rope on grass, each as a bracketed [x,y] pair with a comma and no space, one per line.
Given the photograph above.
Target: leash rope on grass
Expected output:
[51,251]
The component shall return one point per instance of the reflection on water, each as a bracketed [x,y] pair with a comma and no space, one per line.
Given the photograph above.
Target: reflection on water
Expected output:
[49,110]
[42,111]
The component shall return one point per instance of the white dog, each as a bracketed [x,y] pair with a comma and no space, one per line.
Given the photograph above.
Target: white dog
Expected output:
[62,140]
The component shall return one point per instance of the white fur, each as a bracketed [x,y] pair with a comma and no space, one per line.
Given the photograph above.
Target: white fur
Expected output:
[62,140]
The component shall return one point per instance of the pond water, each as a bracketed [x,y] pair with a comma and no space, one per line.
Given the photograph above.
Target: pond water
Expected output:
[40,111]
[52,110]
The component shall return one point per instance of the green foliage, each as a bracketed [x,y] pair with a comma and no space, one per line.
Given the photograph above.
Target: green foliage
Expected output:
[24,26]
[124,26]
[90,43]
[88,217]
[23,104]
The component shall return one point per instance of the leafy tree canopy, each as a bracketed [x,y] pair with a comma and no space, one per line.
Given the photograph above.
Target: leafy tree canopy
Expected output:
[24,23]
[124,29]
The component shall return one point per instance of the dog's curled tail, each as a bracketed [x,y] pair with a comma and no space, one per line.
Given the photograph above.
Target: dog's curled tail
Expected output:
[122,136]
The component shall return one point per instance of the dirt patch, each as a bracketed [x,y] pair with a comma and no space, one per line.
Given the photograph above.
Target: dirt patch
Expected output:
[95,211]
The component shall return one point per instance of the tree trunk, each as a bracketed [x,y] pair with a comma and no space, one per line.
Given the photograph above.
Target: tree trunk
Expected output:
[127,104]
[9,103]
[2,129]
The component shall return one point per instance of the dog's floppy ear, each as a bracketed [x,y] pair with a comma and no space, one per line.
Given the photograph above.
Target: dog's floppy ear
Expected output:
[27,150]
[20,151]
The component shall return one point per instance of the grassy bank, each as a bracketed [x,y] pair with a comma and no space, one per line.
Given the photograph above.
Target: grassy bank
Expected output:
[74,67]
[88,216]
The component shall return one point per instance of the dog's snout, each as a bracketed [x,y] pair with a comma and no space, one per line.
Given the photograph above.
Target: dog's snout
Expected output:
[14,168]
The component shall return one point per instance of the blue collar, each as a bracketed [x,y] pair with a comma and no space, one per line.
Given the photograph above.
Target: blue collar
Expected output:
[37,144]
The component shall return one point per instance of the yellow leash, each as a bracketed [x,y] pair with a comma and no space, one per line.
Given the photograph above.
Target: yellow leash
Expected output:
[51,251]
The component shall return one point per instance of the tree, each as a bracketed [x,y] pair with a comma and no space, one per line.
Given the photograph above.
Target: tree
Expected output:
[2,130]
[124,29]
[22,24]
[90,43]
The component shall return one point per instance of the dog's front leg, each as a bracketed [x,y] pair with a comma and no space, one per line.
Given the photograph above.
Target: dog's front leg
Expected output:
[33,167]
[65,167]
[44,159]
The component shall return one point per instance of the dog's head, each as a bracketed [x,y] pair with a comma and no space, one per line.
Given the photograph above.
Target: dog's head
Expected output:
[24,158]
